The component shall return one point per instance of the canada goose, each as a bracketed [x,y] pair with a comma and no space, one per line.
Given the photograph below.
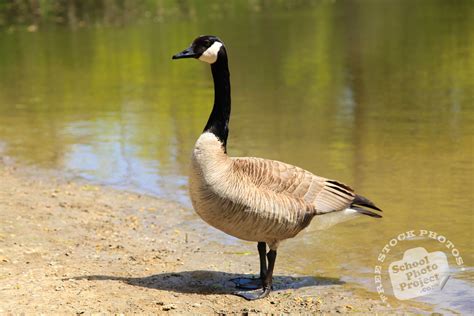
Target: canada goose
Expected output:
[251,198]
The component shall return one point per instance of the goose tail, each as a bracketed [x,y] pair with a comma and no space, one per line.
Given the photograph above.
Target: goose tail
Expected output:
[359,206]
[363,205]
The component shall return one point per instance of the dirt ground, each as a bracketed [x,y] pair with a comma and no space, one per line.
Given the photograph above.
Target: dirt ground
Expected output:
[72,247]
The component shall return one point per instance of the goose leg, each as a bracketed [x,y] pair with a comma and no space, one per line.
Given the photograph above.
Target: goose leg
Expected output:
[267,281]
[262,250]
[255,283]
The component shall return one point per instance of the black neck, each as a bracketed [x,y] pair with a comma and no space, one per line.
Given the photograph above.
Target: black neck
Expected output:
[218,122]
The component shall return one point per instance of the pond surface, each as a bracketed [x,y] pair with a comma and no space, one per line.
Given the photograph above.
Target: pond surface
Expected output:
[376,94]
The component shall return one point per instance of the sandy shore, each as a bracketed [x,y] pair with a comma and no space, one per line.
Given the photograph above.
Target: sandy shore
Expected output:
[72,247]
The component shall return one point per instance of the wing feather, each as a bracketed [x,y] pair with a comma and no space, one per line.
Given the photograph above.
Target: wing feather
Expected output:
[320,195]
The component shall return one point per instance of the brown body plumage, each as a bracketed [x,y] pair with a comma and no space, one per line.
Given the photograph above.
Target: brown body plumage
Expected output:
[259,199]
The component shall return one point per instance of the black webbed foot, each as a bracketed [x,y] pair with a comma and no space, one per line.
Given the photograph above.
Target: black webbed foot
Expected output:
[255,294]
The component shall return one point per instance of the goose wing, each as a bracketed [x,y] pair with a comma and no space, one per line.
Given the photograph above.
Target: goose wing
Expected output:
[320,194]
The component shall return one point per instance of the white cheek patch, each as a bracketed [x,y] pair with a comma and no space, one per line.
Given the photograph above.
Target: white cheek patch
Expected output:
[210,55]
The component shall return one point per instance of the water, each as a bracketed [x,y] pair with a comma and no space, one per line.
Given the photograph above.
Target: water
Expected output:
[377,94]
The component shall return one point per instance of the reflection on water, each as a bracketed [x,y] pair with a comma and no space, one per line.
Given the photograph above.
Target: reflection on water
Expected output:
[383,102]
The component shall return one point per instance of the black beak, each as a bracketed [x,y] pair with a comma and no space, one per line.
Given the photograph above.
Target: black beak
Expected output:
[187,53]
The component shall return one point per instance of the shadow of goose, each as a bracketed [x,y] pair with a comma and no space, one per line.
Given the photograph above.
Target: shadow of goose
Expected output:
[208,282]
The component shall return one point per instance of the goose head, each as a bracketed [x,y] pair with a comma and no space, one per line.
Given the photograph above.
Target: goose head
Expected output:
[206,48]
